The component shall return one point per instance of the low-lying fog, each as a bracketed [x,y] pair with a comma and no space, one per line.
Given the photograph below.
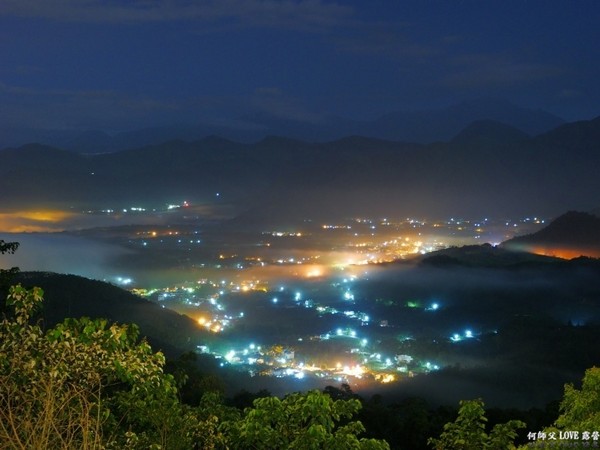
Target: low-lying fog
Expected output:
[533,328]
[62,253]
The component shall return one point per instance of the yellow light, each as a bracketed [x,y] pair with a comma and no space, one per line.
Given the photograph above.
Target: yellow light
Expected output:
[32,221]
[385,377]
[312,273]
[355,371]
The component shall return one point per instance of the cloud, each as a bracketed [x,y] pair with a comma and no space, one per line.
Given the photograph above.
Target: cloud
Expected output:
[33,221]
[382,39]
[114,110]
[269,91]
[309,15]
[21,70]
[64,108]
[15,90]
[276,103]
[569,94]
[479,70]
[63,253]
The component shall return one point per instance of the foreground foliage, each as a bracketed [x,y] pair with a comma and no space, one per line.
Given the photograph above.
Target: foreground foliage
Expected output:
[6,274]
[301,421]
[578,425]
[88,384]
[468,431]
[84,384]
[580,408]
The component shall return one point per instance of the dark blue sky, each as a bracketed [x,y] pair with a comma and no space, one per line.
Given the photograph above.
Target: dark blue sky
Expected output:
[117,65]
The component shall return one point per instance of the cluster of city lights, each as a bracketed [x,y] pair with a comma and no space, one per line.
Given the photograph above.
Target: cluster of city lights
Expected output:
[353,334]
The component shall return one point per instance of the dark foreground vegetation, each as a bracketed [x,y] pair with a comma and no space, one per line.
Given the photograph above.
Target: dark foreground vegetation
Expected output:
[91,384]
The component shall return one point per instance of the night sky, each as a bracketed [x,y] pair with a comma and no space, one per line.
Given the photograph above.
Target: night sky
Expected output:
[118,65]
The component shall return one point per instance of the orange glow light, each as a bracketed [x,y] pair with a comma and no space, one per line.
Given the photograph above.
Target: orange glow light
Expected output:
[34,221]
[565,253]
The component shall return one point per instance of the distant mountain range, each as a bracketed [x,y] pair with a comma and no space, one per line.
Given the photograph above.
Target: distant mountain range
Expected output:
[420,126]
[488,168]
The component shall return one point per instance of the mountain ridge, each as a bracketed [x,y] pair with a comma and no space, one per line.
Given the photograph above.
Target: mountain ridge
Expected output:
[488,166]
[424,127]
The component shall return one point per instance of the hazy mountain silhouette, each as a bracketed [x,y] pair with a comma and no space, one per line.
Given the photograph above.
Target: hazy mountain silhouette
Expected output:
[441,125]
[483,132]
[487,168]
[584,134]
[415,126]
[425,126]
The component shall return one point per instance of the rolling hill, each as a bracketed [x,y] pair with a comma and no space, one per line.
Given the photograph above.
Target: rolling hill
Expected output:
[571,235]
[74,296]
